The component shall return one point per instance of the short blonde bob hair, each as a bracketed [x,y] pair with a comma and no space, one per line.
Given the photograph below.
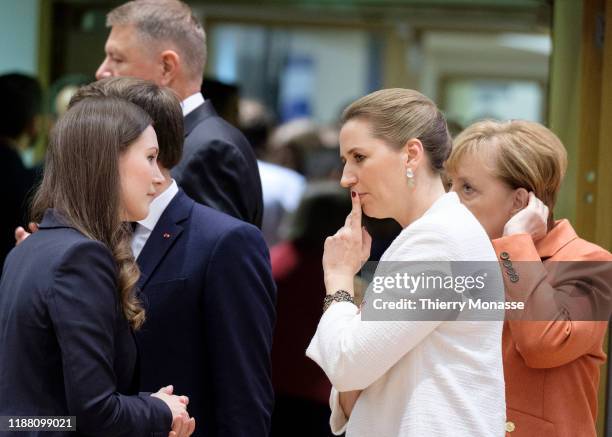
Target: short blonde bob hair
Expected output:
[525,155]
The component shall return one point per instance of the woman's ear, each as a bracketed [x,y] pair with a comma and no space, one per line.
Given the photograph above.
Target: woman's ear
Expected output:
[520,199]
[413,149]
[170,64]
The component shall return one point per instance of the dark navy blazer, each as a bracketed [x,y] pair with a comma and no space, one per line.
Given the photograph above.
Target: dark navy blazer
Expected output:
[218,167]
[65,347]
[210,298]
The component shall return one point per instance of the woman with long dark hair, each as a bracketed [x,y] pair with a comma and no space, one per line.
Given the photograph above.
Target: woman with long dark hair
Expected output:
[67,302]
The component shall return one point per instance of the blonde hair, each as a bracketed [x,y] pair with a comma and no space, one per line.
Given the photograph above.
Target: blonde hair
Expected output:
[398,115]
[525,155]
[166,21]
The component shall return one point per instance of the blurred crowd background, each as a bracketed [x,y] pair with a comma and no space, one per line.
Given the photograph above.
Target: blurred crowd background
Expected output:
[282,71]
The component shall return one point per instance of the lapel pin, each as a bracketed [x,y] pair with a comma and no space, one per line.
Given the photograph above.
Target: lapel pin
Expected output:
[166,235]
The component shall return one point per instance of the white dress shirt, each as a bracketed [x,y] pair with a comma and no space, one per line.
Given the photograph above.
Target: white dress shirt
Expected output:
[156,209]
[191,103]
[419,378]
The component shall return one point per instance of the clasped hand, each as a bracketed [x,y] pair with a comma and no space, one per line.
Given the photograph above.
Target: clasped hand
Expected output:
[346,251]
[182,424]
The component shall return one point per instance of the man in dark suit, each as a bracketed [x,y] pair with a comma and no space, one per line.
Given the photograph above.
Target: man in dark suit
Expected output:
[161,41]
[207,288]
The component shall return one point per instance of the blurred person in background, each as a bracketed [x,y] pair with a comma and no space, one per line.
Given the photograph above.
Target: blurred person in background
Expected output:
[324,163]
[289,143]
[508,174]
[434,377]
[19,130]
[301,387]
[62,90]
[282,187]
[161,41]
[67,300]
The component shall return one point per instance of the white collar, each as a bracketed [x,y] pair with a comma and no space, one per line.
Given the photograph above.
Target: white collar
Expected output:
[158,206]
[191,103]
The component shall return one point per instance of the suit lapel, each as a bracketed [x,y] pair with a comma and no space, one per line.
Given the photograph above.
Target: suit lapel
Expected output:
[196,116]
[167,230]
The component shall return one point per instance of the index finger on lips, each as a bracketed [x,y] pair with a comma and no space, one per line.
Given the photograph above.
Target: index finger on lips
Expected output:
[355,221]
[349,220]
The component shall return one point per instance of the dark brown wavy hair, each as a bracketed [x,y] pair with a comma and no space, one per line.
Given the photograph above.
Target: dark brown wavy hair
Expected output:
[82,183]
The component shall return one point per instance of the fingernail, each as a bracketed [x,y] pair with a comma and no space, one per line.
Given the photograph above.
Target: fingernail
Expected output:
[353,194]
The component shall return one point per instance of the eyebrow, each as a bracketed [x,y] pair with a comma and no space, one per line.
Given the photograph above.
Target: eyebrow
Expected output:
[111,50]
[351,150]
[463,179]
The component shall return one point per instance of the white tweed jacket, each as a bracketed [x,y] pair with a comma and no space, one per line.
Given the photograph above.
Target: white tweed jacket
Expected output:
[419,378]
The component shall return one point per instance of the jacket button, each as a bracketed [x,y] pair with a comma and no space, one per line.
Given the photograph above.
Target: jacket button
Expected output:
[514,278]
[504,255]
[510,426]
[507,263]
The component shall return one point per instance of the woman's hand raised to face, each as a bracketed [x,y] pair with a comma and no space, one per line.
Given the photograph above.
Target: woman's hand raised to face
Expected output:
[346,251]
[532,220]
